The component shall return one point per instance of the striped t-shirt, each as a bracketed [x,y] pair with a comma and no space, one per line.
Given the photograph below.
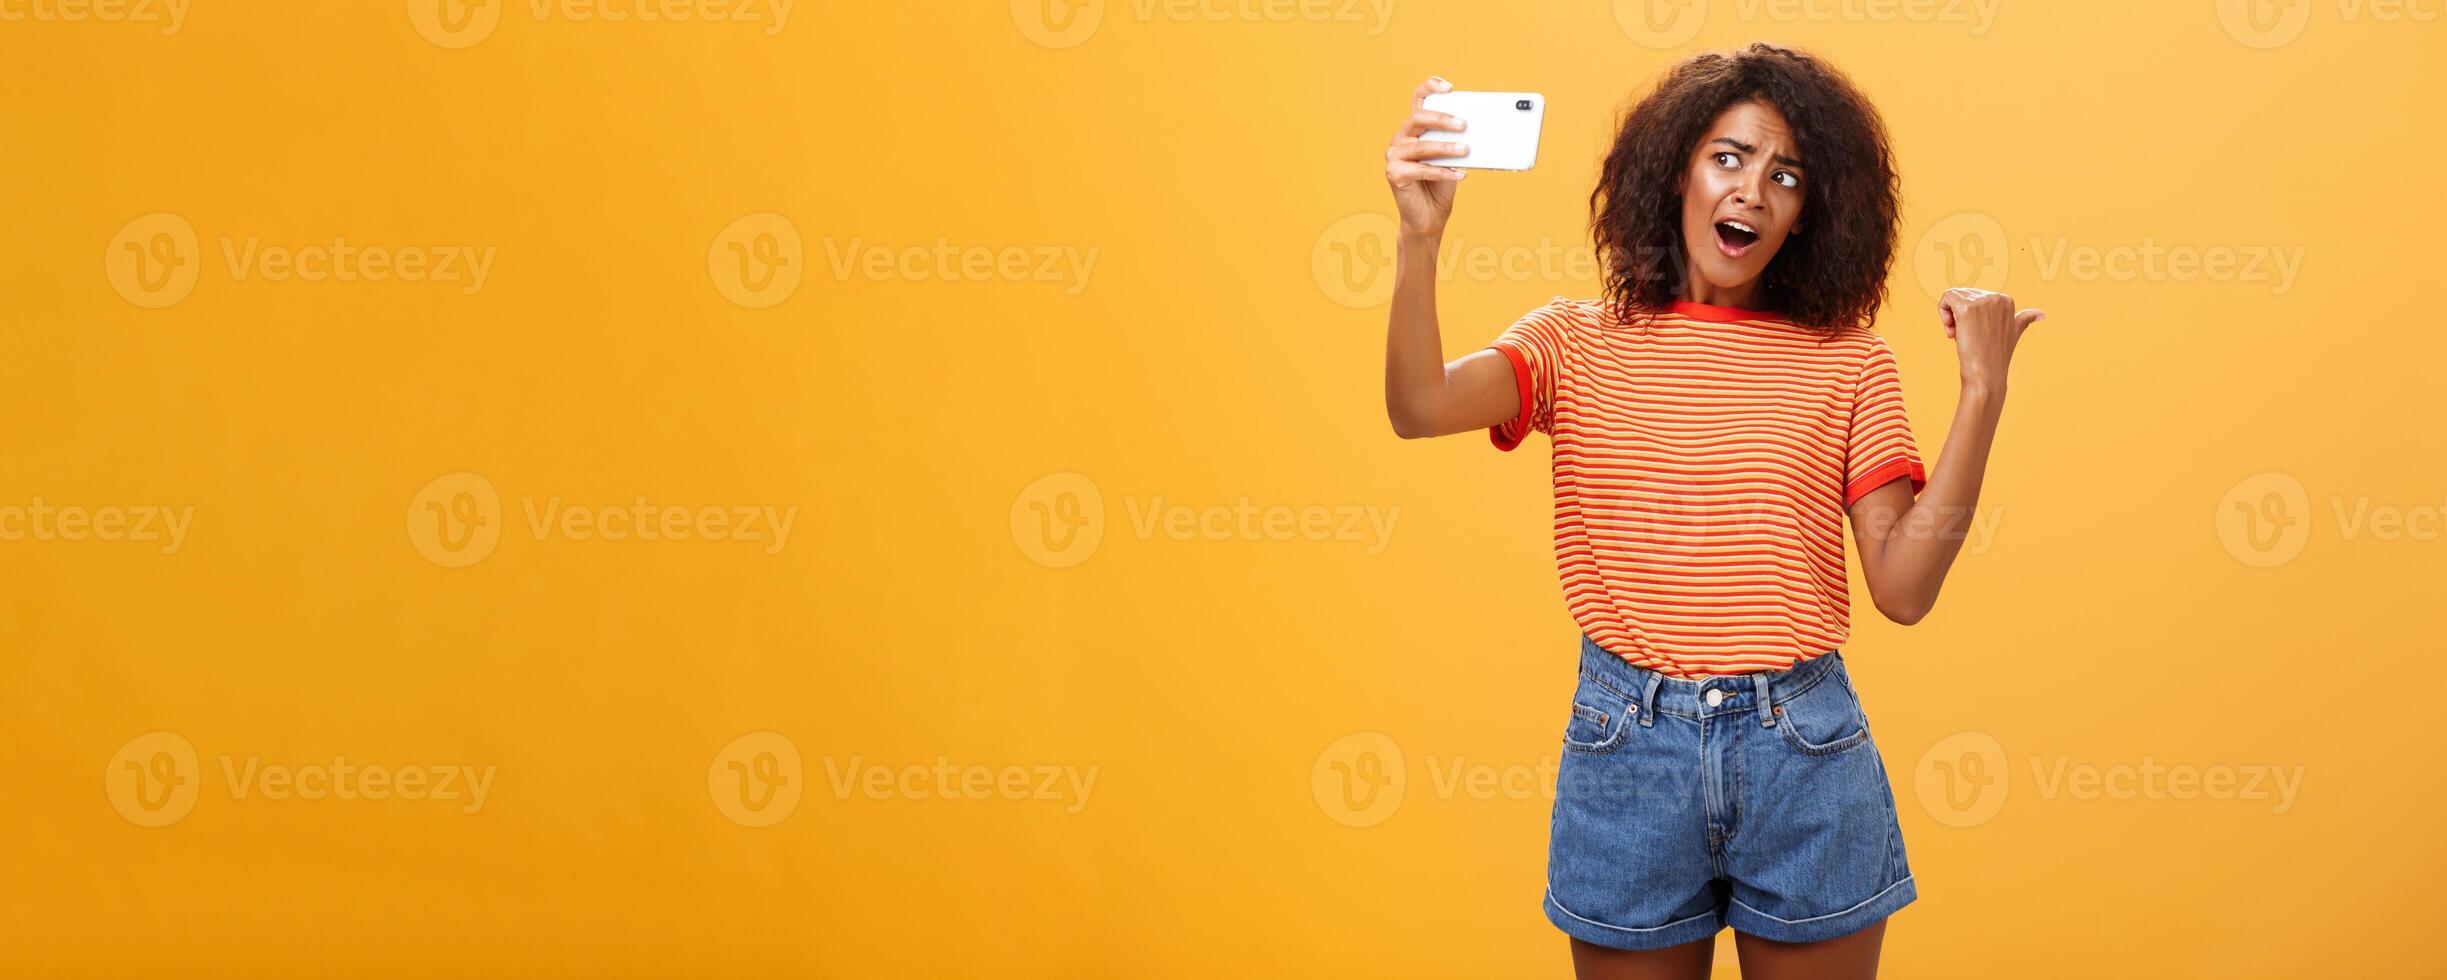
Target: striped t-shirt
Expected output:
[1703,460]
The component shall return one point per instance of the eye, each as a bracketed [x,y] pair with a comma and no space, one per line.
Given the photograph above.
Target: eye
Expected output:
[1787,178]
[1727,160]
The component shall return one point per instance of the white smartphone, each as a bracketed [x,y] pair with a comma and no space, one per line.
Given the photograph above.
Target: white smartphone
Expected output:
[1501,128]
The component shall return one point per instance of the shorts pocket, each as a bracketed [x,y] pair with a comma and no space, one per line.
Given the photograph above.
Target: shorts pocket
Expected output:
[1824,719]
[1601,718]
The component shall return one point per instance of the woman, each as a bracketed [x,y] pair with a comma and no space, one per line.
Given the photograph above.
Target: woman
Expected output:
[1714,418]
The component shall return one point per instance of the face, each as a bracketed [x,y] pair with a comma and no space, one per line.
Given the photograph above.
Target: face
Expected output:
[1741,196]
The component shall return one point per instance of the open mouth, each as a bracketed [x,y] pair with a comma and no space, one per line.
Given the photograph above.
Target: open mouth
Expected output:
[1735,237]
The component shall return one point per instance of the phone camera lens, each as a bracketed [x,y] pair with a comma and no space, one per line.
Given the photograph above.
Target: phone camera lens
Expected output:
[1522,105]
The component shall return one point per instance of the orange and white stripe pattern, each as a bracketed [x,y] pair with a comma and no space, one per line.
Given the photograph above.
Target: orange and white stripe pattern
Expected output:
[1703,459]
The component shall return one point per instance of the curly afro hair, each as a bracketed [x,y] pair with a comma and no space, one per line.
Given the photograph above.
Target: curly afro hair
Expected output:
[1830,278]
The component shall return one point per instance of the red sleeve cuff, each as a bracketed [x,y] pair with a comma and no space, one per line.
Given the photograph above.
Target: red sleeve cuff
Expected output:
[1509,433]
[1883,473]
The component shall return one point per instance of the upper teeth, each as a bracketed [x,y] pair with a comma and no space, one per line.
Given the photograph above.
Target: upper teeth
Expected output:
[1741,226]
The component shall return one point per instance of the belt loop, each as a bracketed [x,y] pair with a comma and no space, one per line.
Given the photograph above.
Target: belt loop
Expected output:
[1648,700]
[1767,708]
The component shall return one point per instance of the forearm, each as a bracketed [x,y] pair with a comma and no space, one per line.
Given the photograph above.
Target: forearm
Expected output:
[1415,383]
[1915,552]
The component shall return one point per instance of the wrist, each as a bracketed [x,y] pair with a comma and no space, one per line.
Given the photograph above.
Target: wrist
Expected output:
[1422,239]
[1984,389]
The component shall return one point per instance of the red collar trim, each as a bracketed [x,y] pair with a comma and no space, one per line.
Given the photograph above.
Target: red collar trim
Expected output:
[1722,314]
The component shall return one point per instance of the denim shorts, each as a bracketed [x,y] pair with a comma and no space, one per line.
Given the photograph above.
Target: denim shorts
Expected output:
[1682,807]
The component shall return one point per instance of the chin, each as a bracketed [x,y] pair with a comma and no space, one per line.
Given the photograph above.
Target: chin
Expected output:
[1727,273]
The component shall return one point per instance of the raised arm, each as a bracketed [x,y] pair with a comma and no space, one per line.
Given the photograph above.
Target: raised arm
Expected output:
[1425,395]
[1908,544]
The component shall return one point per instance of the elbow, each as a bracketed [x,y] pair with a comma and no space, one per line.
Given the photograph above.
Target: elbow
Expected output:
[1407,424]
[1905,612]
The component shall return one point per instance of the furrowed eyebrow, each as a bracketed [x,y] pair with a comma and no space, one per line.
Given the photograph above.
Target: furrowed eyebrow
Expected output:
[1747,148]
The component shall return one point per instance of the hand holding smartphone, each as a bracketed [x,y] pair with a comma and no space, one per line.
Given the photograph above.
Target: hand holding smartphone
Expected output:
[1448,133]
[1503,128]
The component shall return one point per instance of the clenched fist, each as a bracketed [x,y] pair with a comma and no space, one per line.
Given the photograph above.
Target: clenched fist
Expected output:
[1985,326]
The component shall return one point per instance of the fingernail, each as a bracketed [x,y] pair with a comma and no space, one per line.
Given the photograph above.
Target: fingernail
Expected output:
[1458,173]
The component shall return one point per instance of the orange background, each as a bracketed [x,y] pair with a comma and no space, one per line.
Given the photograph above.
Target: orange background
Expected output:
[1216,339]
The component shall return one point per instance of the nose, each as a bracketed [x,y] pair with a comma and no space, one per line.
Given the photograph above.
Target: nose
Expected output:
[1750,191]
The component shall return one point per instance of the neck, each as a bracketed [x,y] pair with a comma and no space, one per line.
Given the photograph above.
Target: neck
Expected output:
[1739,297]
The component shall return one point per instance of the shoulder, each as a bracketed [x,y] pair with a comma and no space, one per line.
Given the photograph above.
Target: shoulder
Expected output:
[1565,316]
[1855,337]
[1858,345]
